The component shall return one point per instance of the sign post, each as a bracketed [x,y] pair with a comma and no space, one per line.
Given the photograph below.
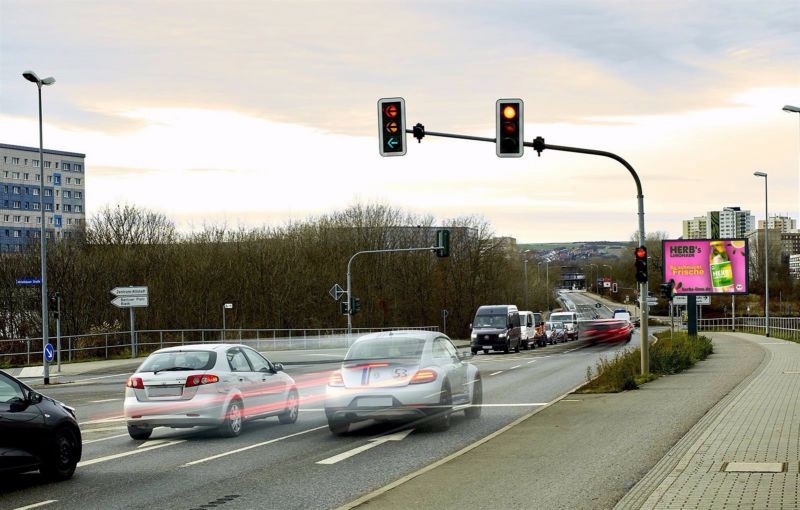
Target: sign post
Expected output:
[226,306]
[131,297]
[58,331]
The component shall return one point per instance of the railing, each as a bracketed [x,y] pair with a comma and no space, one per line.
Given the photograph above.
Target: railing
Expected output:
[781,327]
[27,351]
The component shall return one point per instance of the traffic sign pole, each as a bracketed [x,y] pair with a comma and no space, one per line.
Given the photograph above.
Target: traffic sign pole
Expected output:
[133,335]
[58,332]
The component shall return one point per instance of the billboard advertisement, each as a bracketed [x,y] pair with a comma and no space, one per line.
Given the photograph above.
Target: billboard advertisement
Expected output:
[707,266]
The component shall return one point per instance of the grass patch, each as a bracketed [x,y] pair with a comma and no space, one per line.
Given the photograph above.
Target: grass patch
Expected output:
[667,356]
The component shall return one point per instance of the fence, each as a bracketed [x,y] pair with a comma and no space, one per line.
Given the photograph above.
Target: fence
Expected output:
[27,351]
[780,327]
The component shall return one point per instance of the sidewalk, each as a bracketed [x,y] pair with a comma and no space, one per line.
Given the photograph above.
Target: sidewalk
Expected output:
[700,439]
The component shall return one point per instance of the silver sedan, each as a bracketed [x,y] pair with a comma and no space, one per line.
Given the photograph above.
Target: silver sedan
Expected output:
[219,385]
[402,376]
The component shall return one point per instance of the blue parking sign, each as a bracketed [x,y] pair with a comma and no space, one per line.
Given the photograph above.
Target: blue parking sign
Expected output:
[48,352]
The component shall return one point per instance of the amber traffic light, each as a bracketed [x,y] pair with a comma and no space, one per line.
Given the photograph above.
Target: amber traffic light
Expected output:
[509,122]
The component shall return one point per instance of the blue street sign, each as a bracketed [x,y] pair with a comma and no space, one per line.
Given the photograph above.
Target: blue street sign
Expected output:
[48,352]
[29,281]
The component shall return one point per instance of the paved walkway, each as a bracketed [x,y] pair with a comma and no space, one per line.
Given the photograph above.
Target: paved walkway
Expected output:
[729,459]
[691,440]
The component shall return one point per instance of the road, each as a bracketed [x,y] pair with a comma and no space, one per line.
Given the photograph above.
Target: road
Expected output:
[285,466]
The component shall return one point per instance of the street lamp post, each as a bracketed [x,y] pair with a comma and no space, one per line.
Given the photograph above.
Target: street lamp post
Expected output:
[32,77]
[594,283]
[766,254]
[795,109]
[526,283]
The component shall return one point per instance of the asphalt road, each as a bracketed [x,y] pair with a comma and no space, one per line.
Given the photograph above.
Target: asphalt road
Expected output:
[277,466]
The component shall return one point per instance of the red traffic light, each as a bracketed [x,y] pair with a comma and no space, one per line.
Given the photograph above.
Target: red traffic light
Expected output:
[391,126]
[390,110]
[641,252]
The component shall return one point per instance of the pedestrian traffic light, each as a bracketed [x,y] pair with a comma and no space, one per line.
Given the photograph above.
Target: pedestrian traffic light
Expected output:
[641,264]
[443,243]
[509,124]
[355,306]
[392,126]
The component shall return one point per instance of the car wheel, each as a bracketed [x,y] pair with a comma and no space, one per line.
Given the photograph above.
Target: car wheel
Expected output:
[140,433]
[486,351]
[338,427]
[65,451]
[292,408]
[440,420]
[474,352]
[474,410]
[232,425]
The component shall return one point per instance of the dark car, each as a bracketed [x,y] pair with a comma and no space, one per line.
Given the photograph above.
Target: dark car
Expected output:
[36,432]
[496,327]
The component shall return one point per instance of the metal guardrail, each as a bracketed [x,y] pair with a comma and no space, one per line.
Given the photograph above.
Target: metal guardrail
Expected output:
[117,344]
[782,327]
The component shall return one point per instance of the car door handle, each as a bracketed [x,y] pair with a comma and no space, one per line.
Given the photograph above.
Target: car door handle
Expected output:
[241,379]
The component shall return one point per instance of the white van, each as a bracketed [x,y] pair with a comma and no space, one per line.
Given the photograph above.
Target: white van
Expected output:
[570,321]
[527,326]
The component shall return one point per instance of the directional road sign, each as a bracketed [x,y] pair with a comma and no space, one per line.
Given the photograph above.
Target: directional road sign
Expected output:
[130,301]
[652,301]
[29,281]
[680,300]
[129,291]
[703,300]
[49,352]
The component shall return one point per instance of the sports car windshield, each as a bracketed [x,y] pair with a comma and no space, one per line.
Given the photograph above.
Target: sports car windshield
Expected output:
[490,321]
[386,348]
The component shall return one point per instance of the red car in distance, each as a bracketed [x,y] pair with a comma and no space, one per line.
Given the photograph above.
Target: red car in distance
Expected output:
[606,331]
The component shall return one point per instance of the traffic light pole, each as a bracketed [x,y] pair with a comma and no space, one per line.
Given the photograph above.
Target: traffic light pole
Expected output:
[349,277]
[539,145]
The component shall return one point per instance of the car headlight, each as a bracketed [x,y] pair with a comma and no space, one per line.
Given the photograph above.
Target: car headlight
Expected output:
[502,335]
[474,336]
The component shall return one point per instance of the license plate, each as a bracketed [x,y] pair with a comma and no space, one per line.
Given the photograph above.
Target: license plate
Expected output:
[487,346]
[375,402]
[164,391]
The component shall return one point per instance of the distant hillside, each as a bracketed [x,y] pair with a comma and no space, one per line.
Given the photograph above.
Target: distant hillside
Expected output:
[598,245]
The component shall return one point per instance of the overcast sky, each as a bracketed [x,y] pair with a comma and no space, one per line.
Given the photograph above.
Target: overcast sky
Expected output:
[264,112]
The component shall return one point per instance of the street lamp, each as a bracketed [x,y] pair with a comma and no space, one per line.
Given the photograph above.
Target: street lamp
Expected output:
[795,109]
[595,276]
[766,253]
[526,282]
[31,76]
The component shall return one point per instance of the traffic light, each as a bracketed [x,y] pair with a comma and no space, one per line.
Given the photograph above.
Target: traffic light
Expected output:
[641,264]
[509,123]
[665,291]
[343,308]
[442,243]
[392,126]
[53,304]
[355,305]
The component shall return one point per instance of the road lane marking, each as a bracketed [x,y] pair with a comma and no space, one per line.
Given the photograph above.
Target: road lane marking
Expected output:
[105,400]
[103,420]
[126,454]
[498,372]
[99,377]
[101,429]
[575,349]
[386,488]
[571,400]
[531,361]
[37,505]
[515,366]
[376,441]
[104,439]
[264,443]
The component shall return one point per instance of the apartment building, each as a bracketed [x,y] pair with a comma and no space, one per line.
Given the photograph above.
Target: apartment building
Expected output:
[64,194]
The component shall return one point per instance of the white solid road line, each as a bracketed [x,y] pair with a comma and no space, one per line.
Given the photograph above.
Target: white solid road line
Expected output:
[102,420]
[104,439]
[498,372]
[515,366]
[376,441]
[37,505]
[105,400]
[200,461]
[126,454]
[99,377]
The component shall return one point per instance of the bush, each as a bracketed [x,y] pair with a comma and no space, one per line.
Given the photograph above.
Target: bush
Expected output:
[669,355]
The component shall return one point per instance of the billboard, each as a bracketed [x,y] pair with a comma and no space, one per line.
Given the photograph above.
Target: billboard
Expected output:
[707,266]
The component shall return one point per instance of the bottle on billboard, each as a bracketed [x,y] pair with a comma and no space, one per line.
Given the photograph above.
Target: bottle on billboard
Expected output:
[720,266]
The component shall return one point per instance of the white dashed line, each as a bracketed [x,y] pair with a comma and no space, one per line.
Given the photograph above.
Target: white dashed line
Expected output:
[105,400]
[532,361]
[498,372]
[37,505]
[515,366]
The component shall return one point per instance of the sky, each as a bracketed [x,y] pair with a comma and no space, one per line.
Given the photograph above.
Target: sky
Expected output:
[248,113]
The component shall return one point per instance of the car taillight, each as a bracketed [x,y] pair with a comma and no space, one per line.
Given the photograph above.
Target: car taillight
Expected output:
[200,379]
[336,379]
[135,383]
[423,376]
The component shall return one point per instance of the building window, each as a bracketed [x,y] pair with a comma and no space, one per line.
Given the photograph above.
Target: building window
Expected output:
[66,193]
[16,204]
[36,163]
[15,161]
[5,218]
[78,208]
[35,192]
[65,166]
[48,207]
[35,206]
[26,161]
[69,221]
[18,233]
[27,219]
[78,167]
[5,189]
[67,208]
[49,178]
[18,219]
[15,190]
[57,191]
[26,176]
[58,206]
[47,164]
[79,194]
[38,177]
[69,180]
[57,180]
[15,175]
[77,181]
[56,164]
[48,192]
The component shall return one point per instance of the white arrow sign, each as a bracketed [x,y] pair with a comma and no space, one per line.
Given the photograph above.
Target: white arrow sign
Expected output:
[130,301]
[129,291]
[397,436]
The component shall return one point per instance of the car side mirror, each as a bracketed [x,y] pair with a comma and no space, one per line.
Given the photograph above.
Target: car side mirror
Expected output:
[278,367]
[470,325]
[33,398]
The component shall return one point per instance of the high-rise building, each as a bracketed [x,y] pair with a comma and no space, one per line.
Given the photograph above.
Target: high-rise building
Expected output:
[794,266]
[64,194]
[695,228]
[783,224]
[729,223]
